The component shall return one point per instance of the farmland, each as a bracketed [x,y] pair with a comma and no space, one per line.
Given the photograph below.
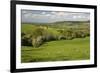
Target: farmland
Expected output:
[56,41]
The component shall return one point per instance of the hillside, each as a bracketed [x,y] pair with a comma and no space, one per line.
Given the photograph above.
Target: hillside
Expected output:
[53,41]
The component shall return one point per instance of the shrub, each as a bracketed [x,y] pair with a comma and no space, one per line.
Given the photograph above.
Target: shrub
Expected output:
[36,42]
[61,37]
[87,33]
[39,35]
[83,35]
[79,34]
[50,37]
[22,34]
[69,38]
[60,31]
[73,35]
[68,34]
[38,32]
[26,41]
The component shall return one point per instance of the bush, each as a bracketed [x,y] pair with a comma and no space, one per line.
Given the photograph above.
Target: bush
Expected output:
[40,35]
[78,34]
[73,35]
[60,31]
[83,35]
[61,37]
[50,37]
[68,34]
[69,38]
[22,34]
[38,32]
[26,41]
[36,42]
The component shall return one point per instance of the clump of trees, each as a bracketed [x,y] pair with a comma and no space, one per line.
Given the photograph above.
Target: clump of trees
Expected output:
[40,36]
[25,39]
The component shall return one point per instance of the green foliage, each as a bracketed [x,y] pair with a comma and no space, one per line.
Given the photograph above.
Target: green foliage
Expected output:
[36,42]
[26,40]
[37,34]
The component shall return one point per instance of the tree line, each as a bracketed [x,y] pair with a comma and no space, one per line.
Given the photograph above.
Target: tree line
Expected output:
[41,35]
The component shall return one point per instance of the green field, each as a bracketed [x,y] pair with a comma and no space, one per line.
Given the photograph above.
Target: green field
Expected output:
[59,41]
[76,49]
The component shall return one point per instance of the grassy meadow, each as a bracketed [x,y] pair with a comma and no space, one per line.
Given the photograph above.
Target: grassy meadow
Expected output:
[59,41]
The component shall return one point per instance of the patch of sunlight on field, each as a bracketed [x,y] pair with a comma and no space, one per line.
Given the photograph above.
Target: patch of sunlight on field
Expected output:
[76,49]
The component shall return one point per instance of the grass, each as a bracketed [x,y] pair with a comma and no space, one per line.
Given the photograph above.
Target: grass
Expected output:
[76,49]
[27,28]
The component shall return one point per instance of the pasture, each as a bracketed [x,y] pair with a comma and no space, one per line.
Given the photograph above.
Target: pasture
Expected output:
[60,41]
[76,49]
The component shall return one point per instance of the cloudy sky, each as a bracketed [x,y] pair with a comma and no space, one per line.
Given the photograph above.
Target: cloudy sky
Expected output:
[36,16]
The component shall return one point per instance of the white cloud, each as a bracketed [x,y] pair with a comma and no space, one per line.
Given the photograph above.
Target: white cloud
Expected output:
[48,15]
[24,12]
[53,12]
[74,17]
[34,15]
[61,13]
[43,13]
[27,15]
[52,16]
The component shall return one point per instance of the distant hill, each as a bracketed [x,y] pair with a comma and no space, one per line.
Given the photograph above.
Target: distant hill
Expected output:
[61,23]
